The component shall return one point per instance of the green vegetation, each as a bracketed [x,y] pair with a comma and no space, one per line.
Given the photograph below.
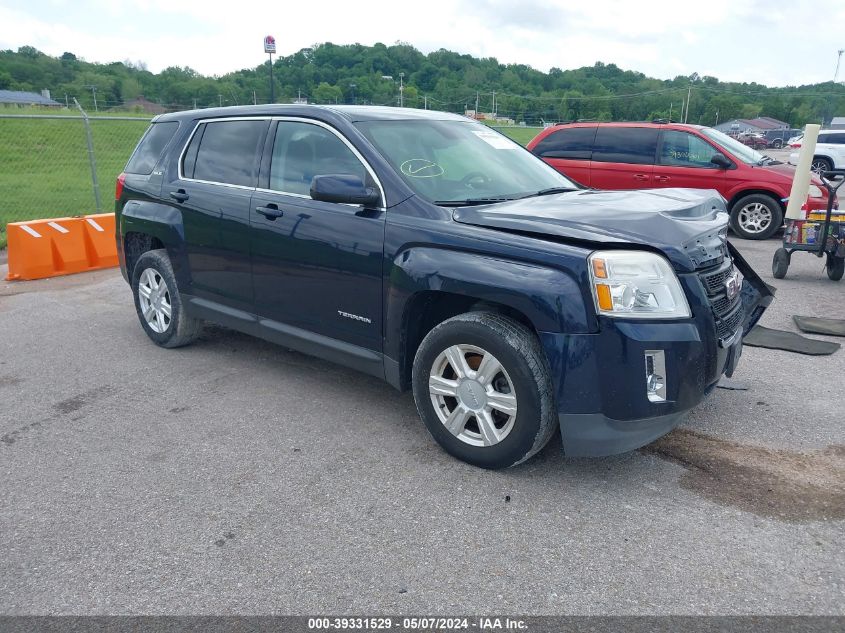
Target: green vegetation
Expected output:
[328,73]
[44,163]
[44,169]
[520,134]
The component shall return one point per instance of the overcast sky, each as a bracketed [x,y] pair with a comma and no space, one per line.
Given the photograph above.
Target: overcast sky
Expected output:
[774,42]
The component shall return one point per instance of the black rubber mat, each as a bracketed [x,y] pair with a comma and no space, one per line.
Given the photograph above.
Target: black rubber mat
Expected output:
[814,325]
[789,341]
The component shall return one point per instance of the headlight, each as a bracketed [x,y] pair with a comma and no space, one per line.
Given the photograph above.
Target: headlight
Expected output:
[636,285]
[815,192]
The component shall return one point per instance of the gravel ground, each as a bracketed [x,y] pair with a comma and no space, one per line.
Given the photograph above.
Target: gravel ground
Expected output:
[235,477]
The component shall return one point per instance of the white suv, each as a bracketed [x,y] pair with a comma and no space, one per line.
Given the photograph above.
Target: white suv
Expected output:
[830,151]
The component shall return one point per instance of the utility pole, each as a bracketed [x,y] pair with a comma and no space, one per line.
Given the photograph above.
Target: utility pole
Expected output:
[401,90]
[838,59]
[425,102]
[494,105]
[717,119]
[670,111]
[220,97]
[476,104]
[94,92]
[689,96]
[195,103]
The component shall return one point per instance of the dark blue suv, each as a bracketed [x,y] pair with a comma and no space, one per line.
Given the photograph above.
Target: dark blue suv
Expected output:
[428,250]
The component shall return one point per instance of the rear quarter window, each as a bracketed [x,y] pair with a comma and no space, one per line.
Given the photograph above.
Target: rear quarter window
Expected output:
[151,147]
[575,143]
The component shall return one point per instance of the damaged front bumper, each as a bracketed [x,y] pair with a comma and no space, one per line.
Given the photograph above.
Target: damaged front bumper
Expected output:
[610,393]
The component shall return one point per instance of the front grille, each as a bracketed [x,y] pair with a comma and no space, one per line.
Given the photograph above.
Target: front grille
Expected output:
[714,282]
[728,324]
[728,314]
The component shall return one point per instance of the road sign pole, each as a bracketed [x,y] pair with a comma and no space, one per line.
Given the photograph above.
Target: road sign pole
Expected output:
[272,87]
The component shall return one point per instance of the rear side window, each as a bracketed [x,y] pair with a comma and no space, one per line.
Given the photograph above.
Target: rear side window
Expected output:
[574,142]
[636,145]
[151,147]
[225,152]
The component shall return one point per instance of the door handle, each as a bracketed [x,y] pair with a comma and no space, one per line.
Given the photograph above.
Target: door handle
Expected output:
[271,211]
[642,177]
[662,178]
[180,195]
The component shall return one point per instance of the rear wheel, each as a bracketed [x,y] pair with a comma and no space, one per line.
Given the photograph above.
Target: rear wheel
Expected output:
[483,389]
[777,143]
[820,165]
[756,217]
[780,263]
[159,304]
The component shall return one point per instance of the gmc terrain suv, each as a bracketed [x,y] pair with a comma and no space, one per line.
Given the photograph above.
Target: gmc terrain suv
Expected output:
[430,251]
[657,155]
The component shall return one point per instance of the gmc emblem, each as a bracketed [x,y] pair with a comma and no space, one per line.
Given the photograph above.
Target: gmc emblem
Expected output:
[733,284]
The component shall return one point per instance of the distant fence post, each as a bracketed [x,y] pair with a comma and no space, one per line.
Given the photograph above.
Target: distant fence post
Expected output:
[91,158]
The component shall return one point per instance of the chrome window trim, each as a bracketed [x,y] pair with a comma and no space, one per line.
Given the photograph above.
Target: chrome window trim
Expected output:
[343,139]
[191,138]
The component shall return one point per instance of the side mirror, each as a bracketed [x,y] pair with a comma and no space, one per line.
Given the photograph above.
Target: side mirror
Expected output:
[721,161]
[343,189]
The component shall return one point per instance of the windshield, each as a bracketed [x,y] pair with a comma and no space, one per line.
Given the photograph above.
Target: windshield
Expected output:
[454,162]
[742,152]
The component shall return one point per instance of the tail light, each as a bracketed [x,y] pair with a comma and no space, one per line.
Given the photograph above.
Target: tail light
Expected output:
[118,187]
[795,145]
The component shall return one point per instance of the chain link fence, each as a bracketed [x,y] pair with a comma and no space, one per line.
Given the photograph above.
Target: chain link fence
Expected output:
[49,169]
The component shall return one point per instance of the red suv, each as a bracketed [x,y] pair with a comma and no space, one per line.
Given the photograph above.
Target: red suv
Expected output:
[649,155]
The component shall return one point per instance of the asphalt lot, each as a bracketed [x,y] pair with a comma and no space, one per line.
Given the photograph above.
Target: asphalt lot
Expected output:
[234,476]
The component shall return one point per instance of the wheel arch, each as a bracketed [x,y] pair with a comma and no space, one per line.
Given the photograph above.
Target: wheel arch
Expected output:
[736,197]
[429,285]
[147,225]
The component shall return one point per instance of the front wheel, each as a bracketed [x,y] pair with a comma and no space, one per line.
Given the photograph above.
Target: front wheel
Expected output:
[756,217]
[159,304]
[835,267]
[483,389]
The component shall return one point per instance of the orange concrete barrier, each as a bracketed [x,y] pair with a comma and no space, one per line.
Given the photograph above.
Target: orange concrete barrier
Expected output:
[60,246]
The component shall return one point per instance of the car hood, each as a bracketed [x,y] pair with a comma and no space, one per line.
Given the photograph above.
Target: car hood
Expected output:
[688,225]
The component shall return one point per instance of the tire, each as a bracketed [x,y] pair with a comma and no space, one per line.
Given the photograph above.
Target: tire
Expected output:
[820,164]
[756,216]
[176,329]
[777,143]
[521,382]
[835,267]
[780,263]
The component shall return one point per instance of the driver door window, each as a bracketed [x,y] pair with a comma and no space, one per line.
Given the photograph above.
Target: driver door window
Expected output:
[681,149]
[302,151]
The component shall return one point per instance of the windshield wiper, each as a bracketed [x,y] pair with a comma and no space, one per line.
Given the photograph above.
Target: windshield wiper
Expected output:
[550,191]
[470,202]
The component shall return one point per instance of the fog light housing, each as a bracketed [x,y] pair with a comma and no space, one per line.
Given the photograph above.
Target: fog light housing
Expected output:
[655,375]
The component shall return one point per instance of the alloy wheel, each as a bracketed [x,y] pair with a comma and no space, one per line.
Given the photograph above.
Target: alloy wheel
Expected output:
[154,297]
[473,395]
[754,217]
